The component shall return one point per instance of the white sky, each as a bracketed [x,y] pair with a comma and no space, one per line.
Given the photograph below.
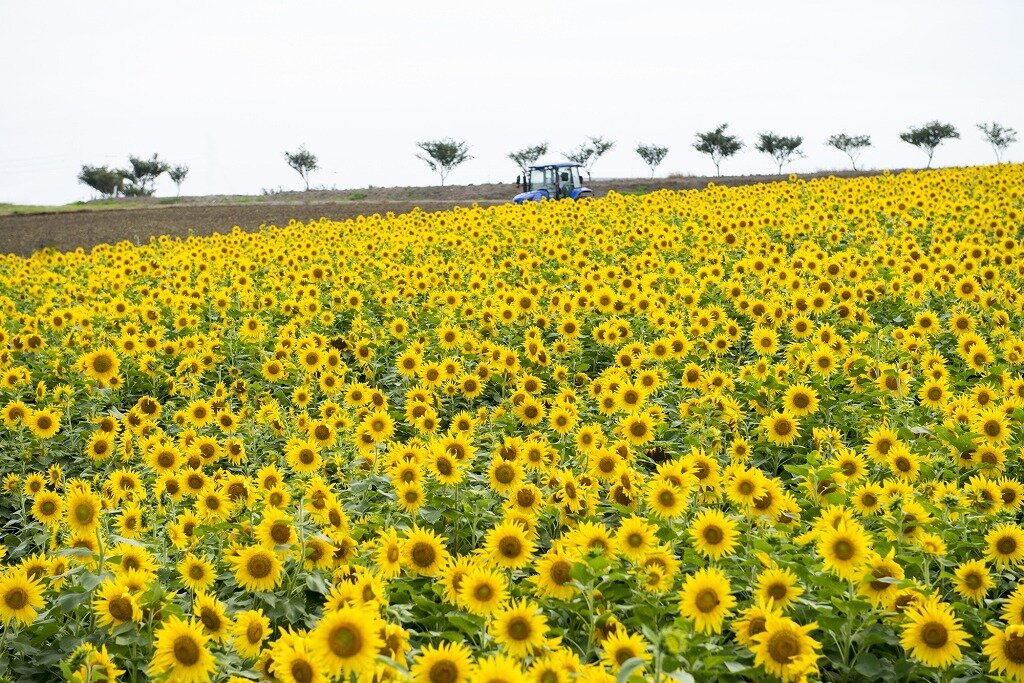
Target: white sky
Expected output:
[226,86]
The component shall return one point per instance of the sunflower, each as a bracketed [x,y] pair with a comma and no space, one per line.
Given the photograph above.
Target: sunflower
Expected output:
[1005,545]
[197,573]
[752,621]
[347,640]
[248,631]
[293,662]
[43,423]
[276,529]
[83,511]
[713,534]
[498,668]
[114,605]
[20,597]
[303,455]
[519,628]
[257,569]
[636,537]
[508,545]
[844,548]
[424,552]
[666,499]
[800,400]
[932,634]
[778,587]
[180,654]
[210,612]
[785,649]
[554,575]
[620,647]
[706,599]
[445,663]
[47,507]
[991,425]
[637,428]
[972,580]
[102,364]
[781,428]
[879,577]
[1005,651]
[482,591]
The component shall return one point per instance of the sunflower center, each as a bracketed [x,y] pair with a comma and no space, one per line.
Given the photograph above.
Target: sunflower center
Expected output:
[801,400]
[48,507]
[121,608]
[1013,649]
[713,535]
[519,629]
[84,513]
[783,427]
[783,647]
[102,364]
[444,672]
[504,474]
[561,572]
[345,641]
[281,533]
[211,620]
[302,671]
[843,550]
[259,566]
[186,650]
[16,598]
[511,547]
[707,600]
[1006,545]
[483,592]
[934,635]
[423,555]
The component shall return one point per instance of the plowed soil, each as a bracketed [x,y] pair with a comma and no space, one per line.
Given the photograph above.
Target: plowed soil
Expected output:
[69,230]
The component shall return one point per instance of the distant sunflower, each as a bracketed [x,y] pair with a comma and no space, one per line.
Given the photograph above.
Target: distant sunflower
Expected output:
[43,423]
[347,640]
[618,648]
[445,663]
[785,649]
[482,591]
[554,575]
[1005,545]
[972,580]
[714,534]
[781,428]
[508,545]
[932,634]
[424,552]
[706,599]
[519,628]
[47,507]
[636,537]
[83,511]
[197,573]
[257,569]
[800,400]
[778,587]
[114,605]
[180,652]
[844,549]
[20,598]
[102,364]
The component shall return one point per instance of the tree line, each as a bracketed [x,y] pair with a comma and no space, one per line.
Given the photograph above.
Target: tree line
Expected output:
[446,154]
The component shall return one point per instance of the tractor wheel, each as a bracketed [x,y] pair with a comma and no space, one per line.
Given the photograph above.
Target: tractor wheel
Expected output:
[585,195]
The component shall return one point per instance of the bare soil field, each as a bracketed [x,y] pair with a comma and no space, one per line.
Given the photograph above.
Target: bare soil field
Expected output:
[141,219]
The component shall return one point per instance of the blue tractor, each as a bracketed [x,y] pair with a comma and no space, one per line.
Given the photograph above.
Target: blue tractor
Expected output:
[552,181]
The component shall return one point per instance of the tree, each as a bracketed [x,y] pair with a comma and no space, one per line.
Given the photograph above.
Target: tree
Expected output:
[527,157]
[142,175]
[104,180]
[443,155]
[850,145]
[177,175]
[652,155]
[716,144]
[779,147]
[303,161]
[587,154]
[999,137]
[929,136]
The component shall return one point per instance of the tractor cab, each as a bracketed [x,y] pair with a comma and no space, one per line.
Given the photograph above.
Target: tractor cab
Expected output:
[552,181]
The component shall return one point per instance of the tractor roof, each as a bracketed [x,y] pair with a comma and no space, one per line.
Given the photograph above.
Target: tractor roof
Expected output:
[564,164]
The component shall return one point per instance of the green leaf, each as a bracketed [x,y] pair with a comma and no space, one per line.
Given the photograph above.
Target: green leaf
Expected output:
[628,667]
[681,676]
[736,667]
[868,665]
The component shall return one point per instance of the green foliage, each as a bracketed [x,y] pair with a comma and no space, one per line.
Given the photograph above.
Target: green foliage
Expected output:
[850,145]
[141,177]
[929,136]
[587,154]
[718,145]
[779,147]
[443,155]
[1000,137]
[178,175]
[303,161]
[524,158]
[104,180]
[652,155]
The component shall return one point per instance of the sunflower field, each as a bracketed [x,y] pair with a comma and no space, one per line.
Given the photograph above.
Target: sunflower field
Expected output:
[770,432]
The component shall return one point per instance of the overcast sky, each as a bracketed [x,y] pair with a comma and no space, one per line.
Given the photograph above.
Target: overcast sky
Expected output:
[227,86]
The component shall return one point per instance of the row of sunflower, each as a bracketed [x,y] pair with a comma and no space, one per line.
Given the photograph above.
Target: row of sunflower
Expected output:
[754,433]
